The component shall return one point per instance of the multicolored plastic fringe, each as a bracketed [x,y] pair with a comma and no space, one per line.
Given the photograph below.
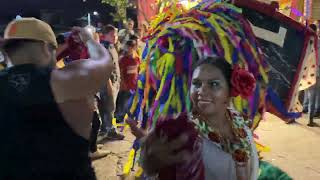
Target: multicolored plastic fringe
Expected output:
[178,39]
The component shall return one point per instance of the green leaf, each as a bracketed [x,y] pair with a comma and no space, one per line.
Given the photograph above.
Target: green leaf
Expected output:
[121,8]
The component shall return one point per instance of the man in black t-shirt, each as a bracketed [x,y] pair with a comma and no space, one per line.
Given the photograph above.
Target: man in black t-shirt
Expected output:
[46,113]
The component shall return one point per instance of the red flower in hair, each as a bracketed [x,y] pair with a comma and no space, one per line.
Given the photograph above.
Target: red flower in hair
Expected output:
[243,83]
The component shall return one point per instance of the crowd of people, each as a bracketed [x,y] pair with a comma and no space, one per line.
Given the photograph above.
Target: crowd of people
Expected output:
[59,96]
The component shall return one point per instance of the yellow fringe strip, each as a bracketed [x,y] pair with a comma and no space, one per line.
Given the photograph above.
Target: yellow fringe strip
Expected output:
[115,124]
[129,163]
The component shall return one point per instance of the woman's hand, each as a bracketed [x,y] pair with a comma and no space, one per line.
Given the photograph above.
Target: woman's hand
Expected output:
[158,152]
[137,132]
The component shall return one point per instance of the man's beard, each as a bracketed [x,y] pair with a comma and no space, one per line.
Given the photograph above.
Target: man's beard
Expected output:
[52,62]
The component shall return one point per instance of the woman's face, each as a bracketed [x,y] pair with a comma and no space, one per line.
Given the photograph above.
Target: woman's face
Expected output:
[209,90]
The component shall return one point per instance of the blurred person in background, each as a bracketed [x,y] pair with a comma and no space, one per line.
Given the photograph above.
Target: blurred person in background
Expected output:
[312,95]
[109,91]
[3,61]
[129,66]
[124,34]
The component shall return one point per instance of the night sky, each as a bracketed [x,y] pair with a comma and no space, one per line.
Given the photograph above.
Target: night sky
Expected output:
[75,8]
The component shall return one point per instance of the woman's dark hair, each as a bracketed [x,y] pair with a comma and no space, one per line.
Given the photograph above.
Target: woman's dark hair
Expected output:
[130,43]
[219,63]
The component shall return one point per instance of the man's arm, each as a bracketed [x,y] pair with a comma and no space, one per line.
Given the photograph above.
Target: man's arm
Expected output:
[83,78]
[109,87]
[61,51]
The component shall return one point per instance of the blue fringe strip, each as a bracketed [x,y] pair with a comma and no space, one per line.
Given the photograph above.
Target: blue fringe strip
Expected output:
[275,100]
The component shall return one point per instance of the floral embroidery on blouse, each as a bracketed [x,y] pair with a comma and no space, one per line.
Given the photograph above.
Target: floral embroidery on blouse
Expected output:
[239,149]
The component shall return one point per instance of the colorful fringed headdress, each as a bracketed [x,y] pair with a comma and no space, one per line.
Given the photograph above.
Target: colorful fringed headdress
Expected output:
[178,39]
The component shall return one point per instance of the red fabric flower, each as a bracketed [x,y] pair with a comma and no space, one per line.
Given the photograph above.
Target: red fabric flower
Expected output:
[243,83]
